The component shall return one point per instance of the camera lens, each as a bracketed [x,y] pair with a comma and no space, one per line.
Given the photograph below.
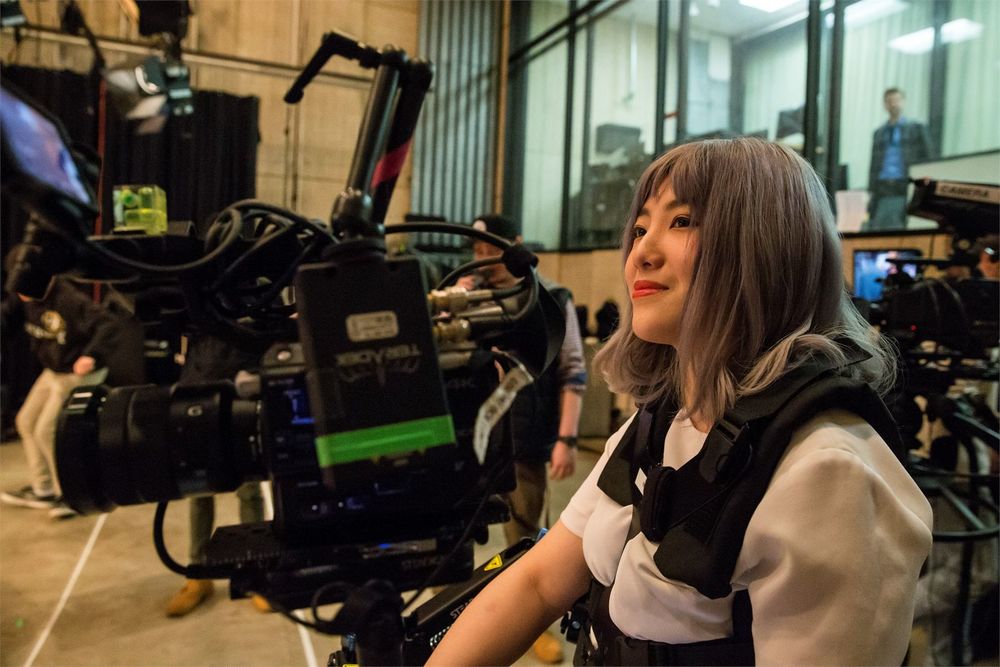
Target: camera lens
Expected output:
[144,444]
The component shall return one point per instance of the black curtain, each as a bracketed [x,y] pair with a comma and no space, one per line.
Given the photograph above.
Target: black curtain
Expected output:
[203,162]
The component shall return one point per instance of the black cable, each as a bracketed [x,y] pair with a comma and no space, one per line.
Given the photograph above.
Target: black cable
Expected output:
[937,472]
[500,469]
[529,305]
[191,571]
[232,237]
[448,228]
[160,544]
[468,267]
[173,270]
[316,601]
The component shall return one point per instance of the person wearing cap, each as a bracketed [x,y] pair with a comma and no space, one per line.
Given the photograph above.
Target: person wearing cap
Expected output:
[71,337]
[544,417]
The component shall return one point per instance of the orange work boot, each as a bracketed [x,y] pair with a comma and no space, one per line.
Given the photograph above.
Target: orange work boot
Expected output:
[261,604]
[548,648]
[184,601]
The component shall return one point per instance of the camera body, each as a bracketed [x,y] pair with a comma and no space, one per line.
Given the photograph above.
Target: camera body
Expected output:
[398,497]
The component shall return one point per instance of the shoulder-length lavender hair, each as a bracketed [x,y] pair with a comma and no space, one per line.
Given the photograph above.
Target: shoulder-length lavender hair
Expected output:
[767,290]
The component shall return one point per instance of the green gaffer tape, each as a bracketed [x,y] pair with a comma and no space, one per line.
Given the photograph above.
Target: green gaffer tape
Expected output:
[369,443]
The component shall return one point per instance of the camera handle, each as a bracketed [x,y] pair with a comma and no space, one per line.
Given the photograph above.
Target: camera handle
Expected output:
[371,623]
[390,119]
[375,633]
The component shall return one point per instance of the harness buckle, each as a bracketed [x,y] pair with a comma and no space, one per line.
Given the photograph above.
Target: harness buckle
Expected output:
[726,453]
[656,499]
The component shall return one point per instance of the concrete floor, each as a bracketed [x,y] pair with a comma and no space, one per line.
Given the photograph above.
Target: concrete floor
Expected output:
[90,591]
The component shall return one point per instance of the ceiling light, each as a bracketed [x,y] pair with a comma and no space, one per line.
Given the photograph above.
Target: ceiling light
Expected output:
[768,6]
[861,13]
[922,41]
[960,30]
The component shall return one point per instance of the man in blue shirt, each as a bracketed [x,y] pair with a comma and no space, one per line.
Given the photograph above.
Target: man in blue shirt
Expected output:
[896,145]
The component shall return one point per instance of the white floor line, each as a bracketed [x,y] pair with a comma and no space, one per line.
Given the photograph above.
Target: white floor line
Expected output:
[307,645]
[68,590]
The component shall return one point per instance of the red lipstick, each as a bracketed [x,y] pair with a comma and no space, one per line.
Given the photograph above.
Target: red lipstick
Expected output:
[641,288]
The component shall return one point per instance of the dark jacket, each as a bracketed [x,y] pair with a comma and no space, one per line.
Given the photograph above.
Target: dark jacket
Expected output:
[63,327]
[914,139]
[535,412]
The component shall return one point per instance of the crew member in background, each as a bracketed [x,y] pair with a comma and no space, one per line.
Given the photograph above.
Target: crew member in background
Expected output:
[72,337]
[895,146]
[545,416]
[208,359]
[988,251]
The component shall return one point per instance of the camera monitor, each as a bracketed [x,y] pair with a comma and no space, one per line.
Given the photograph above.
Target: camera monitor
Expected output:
[36,153]
[872,266]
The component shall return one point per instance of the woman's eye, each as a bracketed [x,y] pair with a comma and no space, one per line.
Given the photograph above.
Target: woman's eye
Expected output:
[638,231]
[681,221]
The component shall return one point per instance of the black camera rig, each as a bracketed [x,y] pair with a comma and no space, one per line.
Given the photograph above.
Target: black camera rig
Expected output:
[375,409]
[946,331]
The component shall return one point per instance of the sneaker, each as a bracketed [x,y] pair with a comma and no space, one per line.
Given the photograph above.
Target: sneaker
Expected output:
[27,497]
[548,648]
[185,600]
[60,510]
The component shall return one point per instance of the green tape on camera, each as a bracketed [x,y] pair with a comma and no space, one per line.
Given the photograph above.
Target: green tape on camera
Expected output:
[371,443]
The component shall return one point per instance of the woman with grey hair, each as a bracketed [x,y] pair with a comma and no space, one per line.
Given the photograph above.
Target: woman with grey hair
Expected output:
[733,265]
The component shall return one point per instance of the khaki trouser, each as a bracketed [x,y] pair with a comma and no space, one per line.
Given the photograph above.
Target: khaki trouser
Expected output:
[202,516]
[526,501]
[36,424]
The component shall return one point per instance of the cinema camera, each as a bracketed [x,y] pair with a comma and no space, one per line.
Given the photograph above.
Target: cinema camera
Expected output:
[946,330]
[959,315]
[373,415]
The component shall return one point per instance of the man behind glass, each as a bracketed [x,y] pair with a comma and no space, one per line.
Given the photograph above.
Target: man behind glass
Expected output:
[895,146]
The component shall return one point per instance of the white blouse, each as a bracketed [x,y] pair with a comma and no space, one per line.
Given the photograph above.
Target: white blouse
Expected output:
[830,557]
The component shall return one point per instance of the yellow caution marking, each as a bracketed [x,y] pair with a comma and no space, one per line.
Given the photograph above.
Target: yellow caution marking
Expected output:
[494,563]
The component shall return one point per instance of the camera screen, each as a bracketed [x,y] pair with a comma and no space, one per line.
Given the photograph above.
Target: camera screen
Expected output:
[35,143]
[298,406]
[872,266]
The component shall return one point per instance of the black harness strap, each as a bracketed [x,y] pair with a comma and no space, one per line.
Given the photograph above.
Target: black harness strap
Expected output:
[699,512]
[615,648]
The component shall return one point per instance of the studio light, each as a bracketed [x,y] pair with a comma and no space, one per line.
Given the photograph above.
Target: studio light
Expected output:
[150,90]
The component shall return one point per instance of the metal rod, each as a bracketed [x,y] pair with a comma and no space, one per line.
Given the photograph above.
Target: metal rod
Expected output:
[833,113]
[810,122]
[374,126]
[662,57]
[569,20]
[193,57]
[683,43]
[568,130]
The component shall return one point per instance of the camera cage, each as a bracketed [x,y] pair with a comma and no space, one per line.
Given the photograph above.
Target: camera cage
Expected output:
[250,234]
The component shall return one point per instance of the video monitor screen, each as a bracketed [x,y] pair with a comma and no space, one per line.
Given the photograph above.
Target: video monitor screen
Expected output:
[872,266]
[35,144]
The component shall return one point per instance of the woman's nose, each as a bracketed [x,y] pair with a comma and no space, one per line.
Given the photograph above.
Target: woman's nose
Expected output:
[645,254]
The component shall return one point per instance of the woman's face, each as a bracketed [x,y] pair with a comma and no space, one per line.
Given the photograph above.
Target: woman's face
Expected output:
[659,267]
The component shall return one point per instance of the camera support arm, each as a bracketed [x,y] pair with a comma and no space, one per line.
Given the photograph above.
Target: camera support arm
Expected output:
[397,95]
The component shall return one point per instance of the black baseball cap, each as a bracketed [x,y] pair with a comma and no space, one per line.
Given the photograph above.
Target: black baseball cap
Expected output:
[500,225]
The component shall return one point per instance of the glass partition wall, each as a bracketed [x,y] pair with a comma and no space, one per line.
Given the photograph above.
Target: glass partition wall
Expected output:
[597,89]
